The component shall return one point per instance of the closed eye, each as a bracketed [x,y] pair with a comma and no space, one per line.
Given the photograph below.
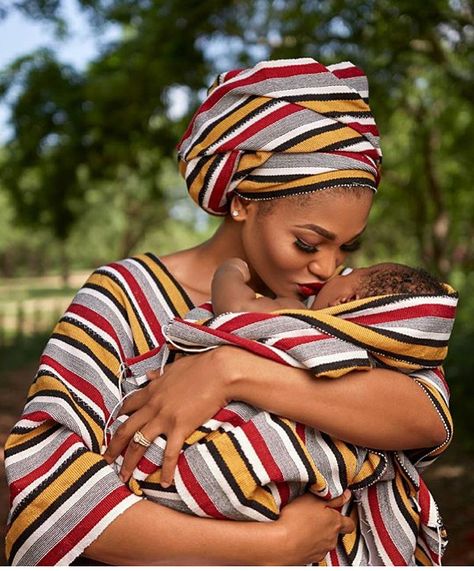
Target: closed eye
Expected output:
[352,247]
[305,247]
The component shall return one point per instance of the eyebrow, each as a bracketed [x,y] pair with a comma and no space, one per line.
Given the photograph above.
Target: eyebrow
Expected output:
[326,233]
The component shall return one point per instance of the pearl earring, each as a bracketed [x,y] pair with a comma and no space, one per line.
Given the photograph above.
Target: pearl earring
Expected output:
[235,213]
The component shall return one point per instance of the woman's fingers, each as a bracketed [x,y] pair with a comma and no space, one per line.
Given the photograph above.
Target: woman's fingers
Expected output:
[123,435]
[169,402]
[312,529]
[135,451]
[153,375]
[347,525]
[174,444]
[135,401]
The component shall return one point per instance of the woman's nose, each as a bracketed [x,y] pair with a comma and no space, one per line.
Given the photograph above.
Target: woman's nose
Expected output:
[323,268]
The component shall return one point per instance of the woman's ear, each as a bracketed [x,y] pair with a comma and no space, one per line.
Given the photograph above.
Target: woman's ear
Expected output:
[239,208]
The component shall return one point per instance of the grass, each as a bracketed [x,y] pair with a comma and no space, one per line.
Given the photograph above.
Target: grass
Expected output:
[30,306]
[18,294]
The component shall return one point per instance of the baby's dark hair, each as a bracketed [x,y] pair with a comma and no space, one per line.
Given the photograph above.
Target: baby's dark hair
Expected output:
[391,278]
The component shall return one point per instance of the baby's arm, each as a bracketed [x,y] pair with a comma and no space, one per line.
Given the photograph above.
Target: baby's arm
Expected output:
[230,291]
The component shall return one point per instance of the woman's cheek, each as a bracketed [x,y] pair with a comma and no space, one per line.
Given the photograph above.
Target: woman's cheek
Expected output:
[280,259]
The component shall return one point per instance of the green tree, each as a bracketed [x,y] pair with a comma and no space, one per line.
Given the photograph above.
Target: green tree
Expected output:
[421,84]
[41,160]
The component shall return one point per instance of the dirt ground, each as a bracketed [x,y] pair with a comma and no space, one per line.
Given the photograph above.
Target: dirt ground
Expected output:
[451,480]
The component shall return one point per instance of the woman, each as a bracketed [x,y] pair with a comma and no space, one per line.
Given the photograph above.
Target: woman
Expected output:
[276,131]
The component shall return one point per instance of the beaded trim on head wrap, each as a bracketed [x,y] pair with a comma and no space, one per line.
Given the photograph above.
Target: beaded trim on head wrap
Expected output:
[280,128]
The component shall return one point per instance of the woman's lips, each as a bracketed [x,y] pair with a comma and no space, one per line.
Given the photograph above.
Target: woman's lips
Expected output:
[310,289]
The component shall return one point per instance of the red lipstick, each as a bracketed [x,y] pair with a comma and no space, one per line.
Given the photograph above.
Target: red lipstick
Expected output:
[310,289]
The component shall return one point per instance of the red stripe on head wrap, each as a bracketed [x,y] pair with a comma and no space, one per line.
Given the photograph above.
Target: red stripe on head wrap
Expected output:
[320,118]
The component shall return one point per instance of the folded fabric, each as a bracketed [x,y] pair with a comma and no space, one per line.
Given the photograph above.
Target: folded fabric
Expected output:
[63,494]
[281,128]
[246,464]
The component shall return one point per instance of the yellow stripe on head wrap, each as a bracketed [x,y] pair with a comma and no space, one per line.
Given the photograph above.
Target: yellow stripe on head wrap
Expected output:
[282,127]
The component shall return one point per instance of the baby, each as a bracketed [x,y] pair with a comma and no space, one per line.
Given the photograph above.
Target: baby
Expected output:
[230,291]
[246,463]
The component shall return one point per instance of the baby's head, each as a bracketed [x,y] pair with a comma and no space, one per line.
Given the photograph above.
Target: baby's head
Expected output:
[380,279]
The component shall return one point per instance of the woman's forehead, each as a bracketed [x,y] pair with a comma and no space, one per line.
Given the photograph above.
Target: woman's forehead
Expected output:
[328,208]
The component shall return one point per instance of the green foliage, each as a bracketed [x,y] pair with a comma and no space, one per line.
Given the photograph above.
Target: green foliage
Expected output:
[41,161]
[76,134]
[460,362]
[26,350]
[89,169]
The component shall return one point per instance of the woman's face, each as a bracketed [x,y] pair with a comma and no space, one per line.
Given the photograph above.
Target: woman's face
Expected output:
[295,247]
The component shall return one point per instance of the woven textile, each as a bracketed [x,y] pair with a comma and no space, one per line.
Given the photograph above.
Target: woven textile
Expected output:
[62,492]
[246,464]
[280,128]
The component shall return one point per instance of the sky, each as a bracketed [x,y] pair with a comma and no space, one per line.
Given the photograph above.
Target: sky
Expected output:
[20,35]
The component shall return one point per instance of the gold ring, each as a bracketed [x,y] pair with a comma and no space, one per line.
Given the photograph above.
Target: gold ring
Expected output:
[138,438]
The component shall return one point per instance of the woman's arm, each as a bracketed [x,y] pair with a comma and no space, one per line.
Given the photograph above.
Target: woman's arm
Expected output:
[149,534]
[376,409]
[379,408]
[63,494]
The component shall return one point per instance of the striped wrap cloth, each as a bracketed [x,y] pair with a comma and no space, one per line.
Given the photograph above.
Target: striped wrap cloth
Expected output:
[280,128]
[246,464]
[63,494]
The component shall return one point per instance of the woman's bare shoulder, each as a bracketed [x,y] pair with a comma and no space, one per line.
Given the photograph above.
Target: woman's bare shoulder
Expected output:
[176,260]
[190,272]
[180,264]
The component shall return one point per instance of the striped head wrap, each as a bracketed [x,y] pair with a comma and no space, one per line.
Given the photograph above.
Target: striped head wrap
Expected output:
[280,128]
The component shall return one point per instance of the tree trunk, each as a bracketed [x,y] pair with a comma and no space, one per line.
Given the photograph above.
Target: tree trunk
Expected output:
[440,225]
[64,263]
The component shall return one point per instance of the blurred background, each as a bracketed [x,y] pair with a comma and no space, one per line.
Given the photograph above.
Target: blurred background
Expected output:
[94,95]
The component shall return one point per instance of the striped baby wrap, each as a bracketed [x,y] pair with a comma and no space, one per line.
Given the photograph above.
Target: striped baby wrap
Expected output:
[246,464]
[62,492]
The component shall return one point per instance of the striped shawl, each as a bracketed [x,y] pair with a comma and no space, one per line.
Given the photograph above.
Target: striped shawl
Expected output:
[62,492]
[245,464]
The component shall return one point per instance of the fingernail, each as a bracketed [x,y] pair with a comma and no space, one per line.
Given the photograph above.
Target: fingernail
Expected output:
[103,450]
[164,484]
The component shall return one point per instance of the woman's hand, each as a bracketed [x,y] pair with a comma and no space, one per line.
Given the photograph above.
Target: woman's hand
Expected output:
[188,394]
[310,529]
[305,532]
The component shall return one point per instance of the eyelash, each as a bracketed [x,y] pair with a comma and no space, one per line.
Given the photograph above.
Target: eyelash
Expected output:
[351,247]
[305,247]
[301,245]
